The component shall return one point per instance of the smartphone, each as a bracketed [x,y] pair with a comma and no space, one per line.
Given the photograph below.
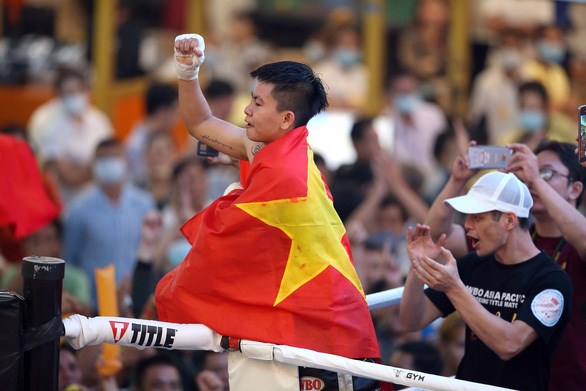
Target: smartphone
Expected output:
[488,156]
[582,133]
[205,150]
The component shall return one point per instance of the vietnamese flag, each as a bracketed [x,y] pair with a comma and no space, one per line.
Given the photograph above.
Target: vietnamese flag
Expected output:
[25,205]
[272,262]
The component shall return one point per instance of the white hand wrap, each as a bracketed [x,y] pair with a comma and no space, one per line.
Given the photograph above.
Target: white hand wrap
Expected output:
[187,64]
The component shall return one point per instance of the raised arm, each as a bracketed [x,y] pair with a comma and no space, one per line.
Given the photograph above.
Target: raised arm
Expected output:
[201,124]
[416,310]
[440,216]
[568,219]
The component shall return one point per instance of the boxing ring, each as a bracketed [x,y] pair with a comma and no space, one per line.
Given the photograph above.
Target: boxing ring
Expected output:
[81,331]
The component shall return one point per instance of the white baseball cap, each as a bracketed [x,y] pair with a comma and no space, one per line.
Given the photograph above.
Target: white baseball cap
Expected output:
[495,191]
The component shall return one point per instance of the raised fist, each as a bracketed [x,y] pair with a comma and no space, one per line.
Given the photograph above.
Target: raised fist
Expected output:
[189,55]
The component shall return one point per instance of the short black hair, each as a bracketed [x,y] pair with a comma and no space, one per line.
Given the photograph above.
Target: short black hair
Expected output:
[182,164]
[426,357]
[148,362]
[65,73]
[160,95]
[359,127]
[218,88]
[567,155]
[108,143]
[536,87]
[296,88]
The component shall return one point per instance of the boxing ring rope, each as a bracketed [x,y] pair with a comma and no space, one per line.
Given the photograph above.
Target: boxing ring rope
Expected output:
[139,333]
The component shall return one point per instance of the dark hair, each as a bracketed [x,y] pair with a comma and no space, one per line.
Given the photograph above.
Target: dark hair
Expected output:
[390,200]
[524,222]
[160,96]
[566,154]
[426,357]
[148,362]
[359,127]
[217,88]
[536,87]
[296,88]
[66,73]
[182,164]
[108,143]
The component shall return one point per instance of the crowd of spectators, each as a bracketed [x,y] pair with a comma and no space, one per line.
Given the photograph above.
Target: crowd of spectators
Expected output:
[123,200]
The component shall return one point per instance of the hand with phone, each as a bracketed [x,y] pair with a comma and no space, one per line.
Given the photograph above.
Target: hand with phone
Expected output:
[523,164]
[582,135]
[205,150]
[488,157]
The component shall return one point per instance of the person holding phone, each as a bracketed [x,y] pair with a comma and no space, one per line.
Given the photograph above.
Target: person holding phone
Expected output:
[555,179]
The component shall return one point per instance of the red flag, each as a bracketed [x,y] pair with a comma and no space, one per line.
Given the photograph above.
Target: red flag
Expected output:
[25,205]
[272,262]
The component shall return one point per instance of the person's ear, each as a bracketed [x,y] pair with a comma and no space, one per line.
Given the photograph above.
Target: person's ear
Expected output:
[575,189]
[288,121]
[510,220]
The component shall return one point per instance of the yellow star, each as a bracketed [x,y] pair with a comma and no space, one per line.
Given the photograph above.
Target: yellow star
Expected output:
[315,231]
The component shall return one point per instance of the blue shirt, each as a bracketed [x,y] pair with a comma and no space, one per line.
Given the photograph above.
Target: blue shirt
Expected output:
[98,232]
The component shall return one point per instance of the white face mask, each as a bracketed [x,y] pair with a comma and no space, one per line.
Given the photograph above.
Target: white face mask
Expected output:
[109,170]
[75,104]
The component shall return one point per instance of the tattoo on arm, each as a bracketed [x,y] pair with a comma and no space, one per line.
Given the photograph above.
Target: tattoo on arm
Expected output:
[217,142]
[257,147]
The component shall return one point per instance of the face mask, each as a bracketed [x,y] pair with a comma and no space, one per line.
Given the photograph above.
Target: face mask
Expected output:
[532,120]
[75,104]
[405,103]
[109,170]
[177,251]
[510,59]
[346,58]
[551,53]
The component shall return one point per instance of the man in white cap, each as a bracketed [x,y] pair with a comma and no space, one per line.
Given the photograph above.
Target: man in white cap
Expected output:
[514,298]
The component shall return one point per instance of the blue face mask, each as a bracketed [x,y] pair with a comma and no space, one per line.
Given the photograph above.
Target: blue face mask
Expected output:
[551,53]
[532,120]
[346,58]
[109,170]
[406,103]
[177,252]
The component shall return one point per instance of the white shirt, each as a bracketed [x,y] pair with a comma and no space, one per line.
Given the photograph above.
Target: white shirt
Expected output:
[53,133]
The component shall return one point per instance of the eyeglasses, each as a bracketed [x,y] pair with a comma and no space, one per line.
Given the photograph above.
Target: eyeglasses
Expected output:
[547,173]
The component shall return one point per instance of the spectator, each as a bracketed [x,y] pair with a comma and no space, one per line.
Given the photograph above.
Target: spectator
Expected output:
[415,123]
[422,49]
[343,71]
[495,91]
[214,373]
[508,329]
[417,355]
[161,155]
[537,120]
[102,225]
[161,114]
[65,131]
[547,66]
[156,373]
[237,54]
[452,335]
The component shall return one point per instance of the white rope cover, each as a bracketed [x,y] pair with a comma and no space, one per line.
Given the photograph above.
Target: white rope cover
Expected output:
[81,331]
[387,298]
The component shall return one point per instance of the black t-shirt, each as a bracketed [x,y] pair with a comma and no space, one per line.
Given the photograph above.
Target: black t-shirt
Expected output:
[537,292]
